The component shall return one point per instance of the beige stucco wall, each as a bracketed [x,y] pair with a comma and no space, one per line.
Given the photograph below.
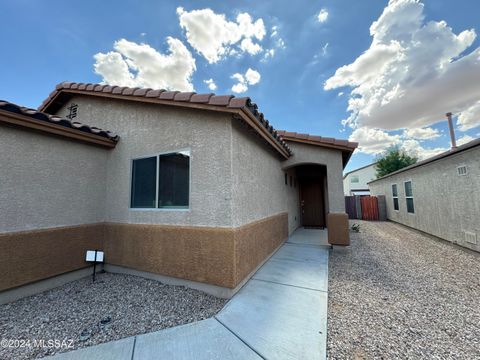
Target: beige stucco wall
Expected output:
[147,129]
[332,159]
[46,181]
[446,204]
[259,188]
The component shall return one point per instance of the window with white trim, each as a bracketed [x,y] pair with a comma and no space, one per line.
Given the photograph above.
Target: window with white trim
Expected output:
[161,181]
[409,197]
[395,197]
[355,179]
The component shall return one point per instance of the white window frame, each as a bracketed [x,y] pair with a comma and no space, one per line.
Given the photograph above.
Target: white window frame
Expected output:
[355,177]
[157,155]
[409,197]
[395,197]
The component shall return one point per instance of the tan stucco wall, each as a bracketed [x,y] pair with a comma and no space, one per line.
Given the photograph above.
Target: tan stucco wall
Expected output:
[48,182]
[258,186]
[332,159]
[446,204]
[147,129]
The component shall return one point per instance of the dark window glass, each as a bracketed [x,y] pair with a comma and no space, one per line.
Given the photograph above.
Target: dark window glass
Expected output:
[408,188]
[173,182]
[410,207]
[286,179]
[144,174]
[395,203]
[394,190]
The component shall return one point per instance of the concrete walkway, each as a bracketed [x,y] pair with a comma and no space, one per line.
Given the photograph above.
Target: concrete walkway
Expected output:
[281,313]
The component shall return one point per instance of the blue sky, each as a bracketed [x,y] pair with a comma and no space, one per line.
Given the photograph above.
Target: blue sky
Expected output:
[48,42]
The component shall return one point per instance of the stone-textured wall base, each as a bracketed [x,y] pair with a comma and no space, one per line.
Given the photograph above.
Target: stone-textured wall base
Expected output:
[29,256]
[222,257]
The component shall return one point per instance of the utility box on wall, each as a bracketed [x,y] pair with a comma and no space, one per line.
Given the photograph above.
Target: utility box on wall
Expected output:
[338,231]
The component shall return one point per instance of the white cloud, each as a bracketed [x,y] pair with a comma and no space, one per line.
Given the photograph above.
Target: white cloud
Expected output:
[211,84]
[213,36]
[412,74]
[469,118]
[373,141]
[132,64]
[414,148]
[464,139]
[278,44]
[251,77]
[421,133]
[322,16]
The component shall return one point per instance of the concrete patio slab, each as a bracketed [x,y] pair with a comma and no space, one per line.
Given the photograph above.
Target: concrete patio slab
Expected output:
[304,236]
[306,274]
[294,252]
[114,350]
[206,339]
[279,321]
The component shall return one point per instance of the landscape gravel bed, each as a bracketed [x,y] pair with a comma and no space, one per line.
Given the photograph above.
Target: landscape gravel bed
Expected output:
[84,313]
[396,293]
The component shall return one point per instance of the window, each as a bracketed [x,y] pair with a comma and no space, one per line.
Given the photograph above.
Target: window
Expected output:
[395,197]
[286,179]
[354,179]
[161,181]
[409,197]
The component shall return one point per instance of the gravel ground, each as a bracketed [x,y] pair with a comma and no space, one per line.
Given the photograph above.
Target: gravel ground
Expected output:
[396,293]
[86,314]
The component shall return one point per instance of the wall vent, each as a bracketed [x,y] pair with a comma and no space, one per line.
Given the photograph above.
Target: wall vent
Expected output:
[470,237]
[462,170]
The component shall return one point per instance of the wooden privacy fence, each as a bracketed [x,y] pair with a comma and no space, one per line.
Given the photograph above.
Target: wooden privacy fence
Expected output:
[366,207]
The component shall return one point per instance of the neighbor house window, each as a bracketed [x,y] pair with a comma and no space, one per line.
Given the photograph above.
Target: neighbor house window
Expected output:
[286,179]
[354,179]
[161,181]
[395,196]
[409,197]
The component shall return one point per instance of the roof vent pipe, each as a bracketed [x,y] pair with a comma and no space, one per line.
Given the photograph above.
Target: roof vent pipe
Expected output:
[452,131]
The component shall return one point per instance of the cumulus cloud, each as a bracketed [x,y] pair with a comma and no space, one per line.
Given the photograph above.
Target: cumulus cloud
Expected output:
[251,77]
[277,43]
[373,141]
[413,147]
[469,118]
[322,16]
[213,36]
[411,75]
[132,64]
[421,133]
[211,84]
[465,139]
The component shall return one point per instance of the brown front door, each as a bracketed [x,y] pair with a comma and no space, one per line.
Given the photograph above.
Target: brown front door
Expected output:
[312,202]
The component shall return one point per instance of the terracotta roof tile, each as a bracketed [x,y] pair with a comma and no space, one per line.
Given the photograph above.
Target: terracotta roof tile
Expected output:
[227,101]
[141,92]
[183,96]
[221,100]
[201,98]
[38,115]
[168,95]
[153,93]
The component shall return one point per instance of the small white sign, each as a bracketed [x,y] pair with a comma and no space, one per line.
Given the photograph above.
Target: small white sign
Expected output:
[91,256]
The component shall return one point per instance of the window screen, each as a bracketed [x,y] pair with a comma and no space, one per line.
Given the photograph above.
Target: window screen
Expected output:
[409,197]
[395,197]
[144,173]
[173,180]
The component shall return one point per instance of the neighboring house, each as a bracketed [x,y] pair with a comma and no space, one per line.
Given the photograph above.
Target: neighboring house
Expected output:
[356,181]
[194,186]
[439,195]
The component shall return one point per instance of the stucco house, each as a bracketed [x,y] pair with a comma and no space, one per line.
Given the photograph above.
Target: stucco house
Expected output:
[194,188]
[355,182]
[439,195]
